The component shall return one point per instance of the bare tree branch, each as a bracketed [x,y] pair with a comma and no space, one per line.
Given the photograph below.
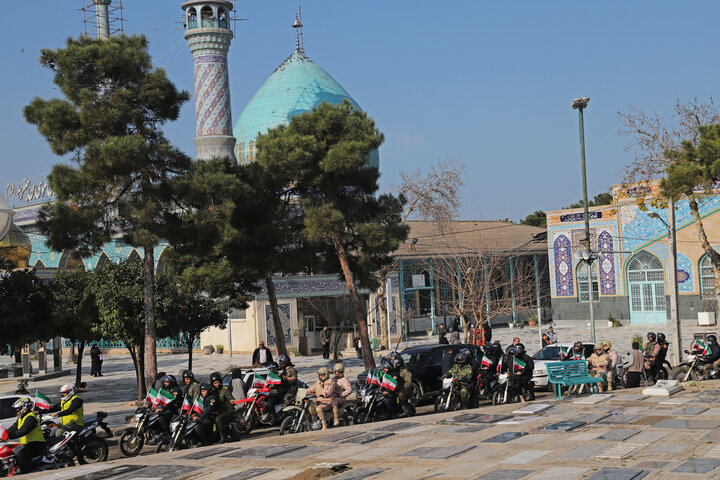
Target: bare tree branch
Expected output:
[435,195]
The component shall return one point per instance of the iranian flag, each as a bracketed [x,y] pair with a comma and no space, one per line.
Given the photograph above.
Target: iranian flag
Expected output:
[518,364]
[186,407]
[259,381]
[3,433]
[697,345]
[376,378]
[41,401]
[388,382]
[163,397]
[485,362]
[272,379]
[199,405]
[563,352]
[151,396]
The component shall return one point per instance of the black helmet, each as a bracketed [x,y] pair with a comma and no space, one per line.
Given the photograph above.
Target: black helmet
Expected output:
[520,348]
[661,337]
[512,351]
[385,364]
[188,374]
[215,377]
[396,360]
[167,379]
[284,361]
[578,346]
[651,336]
[205,386]
[466,351]
[711,339]
[273,367]
[460,358]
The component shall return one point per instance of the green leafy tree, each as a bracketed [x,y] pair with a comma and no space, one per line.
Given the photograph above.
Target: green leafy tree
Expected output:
[25,303]
[598,200]
[74,311]
[536,219]
[110,121]
[321,156]
[693,165]
[119,293]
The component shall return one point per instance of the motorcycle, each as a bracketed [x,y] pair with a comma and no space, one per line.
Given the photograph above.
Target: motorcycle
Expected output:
[183,434]
[148,429]
[691,368]
[505,392]
[373,406]
[252,411]
[304,418]
[58,454]
[485,386]
[449,399]
[86,445]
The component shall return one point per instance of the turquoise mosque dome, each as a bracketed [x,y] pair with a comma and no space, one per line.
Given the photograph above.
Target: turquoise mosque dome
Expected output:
[297,86]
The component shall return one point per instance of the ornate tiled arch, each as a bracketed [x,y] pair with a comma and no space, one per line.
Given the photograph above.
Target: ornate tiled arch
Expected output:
[564,286]
[685,277]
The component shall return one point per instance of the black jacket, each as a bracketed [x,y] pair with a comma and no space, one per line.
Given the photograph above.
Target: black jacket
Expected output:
[28,426]
[256,356]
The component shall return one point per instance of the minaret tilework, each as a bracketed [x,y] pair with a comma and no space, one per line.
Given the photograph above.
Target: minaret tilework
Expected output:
[208,33]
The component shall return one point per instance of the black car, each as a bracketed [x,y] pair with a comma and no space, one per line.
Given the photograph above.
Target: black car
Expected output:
[428,364]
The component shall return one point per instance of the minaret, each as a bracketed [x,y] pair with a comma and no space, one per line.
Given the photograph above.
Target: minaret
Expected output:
[207,31]
[103,18]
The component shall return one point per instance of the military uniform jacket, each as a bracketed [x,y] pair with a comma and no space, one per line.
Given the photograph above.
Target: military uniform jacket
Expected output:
[462,373]
[212,407]
[227,401]
[290,384]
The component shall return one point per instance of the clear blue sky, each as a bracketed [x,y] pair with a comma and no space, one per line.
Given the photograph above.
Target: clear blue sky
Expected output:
[489,82]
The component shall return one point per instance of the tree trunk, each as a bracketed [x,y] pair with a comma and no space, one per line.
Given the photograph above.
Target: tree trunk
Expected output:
[711,252]
[384,334]
[368,359]
[190,341]
[78,370]
[72,352]
[149,354]
[138,372]
[277,326]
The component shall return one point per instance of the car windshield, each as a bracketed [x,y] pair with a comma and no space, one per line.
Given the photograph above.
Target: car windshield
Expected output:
[412,358]
[548,353]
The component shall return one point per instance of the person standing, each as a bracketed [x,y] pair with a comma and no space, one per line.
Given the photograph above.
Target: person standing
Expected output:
[96,359]
[455,332]
[237,385]
[261,356]
[325,338]
[635,367]
[552,336]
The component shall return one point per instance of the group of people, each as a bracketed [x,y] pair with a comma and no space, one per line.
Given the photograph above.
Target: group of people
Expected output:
[28,430]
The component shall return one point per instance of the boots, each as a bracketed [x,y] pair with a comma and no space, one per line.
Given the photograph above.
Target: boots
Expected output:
[322,420]
[336,416]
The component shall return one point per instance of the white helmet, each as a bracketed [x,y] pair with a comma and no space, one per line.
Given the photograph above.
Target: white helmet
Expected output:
[67,389]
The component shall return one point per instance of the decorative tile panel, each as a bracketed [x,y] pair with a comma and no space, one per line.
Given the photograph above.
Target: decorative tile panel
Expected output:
[606,262]
[284,310]
[685,277]
[563,267]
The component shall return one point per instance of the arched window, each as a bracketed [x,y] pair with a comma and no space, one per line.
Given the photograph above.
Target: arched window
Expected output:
[707,279]
[102,261]
[207,17]
[39,264]
[162,261]
[582,283]
[70,259]
[222,18]
[192,18]
[134,257]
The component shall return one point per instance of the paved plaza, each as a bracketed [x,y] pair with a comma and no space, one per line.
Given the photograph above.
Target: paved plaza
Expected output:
[624,435]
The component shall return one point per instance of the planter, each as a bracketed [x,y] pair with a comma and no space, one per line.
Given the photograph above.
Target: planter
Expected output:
[531,323]
[511,325]
[219,350]
[611,324]
[208,350]
[706,319]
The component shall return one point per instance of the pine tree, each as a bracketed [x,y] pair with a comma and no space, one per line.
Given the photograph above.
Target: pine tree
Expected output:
[110,121]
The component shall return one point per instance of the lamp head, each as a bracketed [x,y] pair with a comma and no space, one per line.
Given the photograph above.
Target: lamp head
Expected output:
[653,215]
[580,103]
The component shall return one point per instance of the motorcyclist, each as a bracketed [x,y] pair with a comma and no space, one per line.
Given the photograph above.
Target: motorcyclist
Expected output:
[599,363]
[27,429]
[190,386]
[405,383]
[170,409]
[711,356]
[206,419]
[614,362]
[488,368]
[325,390]
[274,395]
[289,384]
[226,405]
[463,374]
[343,383]
[577,352]
[70,410]
[651,351]
[391,395]
[525,375]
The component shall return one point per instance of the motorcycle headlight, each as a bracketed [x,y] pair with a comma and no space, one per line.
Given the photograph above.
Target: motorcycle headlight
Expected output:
[138,417]
[367,398]
[174,425]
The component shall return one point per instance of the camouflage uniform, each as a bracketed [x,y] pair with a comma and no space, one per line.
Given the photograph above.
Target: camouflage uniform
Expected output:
[600,367]
[650,351]
[325,391]
[289,385]
[226,410]
[464,376]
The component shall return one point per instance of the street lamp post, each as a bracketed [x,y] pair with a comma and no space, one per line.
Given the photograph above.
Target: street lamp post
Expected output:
[672,265]
[580,104]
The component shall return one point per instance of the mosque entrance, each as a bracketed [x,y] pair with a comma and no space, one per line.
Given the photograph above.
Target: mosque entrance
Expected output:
[646,282]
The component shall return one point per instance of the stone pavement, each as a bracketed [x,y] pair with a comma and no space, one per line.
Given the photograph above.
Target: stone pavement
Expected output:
[618,436]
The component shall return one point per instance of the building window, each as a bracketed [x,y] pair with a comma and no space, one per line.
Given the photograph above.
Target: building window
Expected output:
[582,283]
[236,314]
[707,279]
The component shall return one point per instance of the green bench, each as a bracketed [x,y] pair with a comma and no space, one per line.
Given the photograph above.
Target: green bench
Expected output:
[573,372]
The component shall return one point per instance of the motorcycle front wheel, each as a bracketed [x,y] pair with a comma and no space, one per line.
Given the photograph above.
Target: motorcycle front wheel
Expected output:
[498,398]
[292,424]
[131,445]
[95,450]
[359,416]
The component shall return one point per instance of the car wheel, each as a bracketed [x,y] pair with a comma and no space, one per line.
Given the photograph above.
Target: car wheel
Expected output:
[415,394]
